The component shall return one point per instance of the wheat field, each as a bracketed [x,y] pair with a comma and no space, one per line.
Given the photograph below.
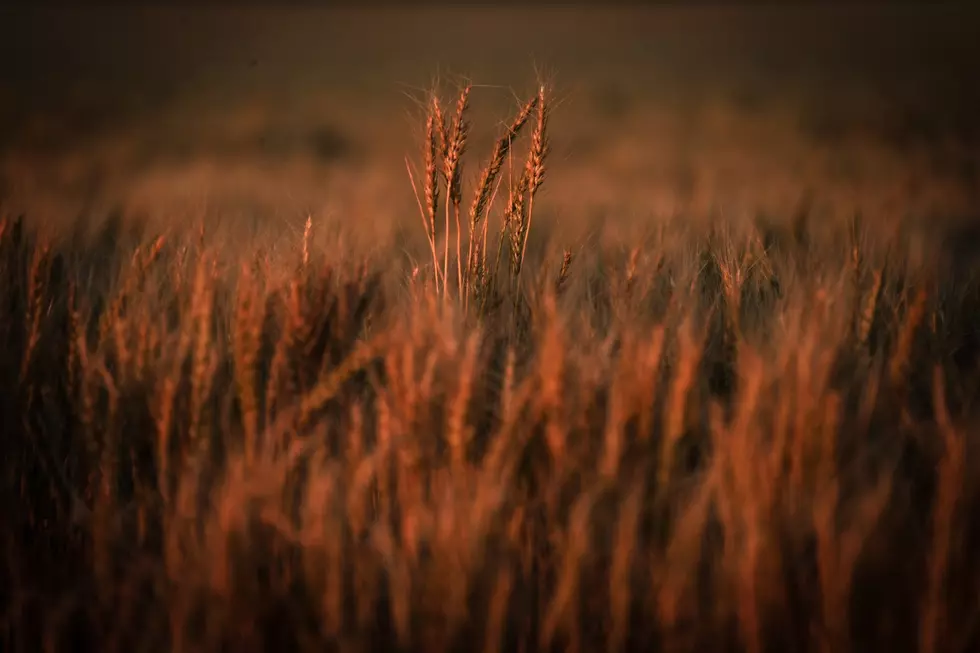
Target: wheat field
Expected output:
[482,401]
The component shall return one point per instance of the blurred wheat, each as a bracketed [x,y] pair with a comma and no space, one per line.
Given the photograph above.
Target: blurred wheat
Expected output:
[722,441]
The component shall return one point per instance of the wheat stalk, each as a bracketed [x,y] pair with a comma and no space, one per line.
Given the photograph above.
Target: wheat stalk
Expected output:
[535,170]
[453,175]
[482,199]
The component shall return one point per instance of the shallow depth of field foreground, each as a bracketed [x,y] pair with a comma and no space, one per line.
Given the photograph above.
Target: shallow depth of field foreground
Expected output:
[480,429]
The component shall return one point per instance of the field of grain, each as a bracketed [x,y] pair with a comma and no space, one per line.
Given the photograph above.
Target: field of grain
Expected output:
[372,330]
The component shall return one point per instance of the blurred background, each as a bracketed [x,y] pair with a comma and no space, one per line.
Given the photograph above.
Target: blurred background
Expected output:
[258,117]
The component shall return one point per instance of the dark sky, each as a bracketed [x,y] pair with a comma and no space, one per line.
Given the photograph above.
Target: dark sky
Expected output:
[48,54]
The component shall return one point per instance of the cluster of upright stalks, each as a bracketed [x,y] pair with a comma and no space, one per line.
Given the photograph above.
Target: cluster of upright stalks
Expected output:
[476,274]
